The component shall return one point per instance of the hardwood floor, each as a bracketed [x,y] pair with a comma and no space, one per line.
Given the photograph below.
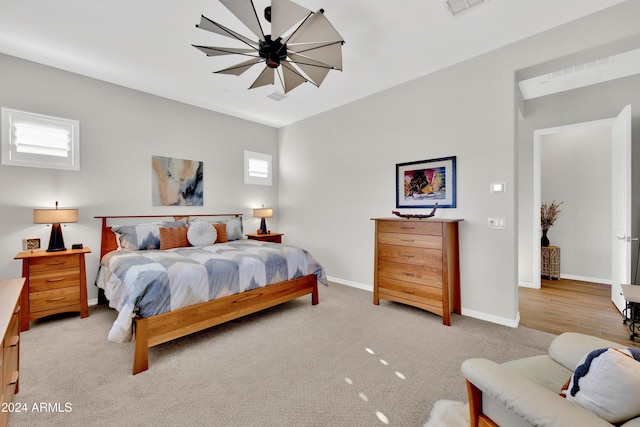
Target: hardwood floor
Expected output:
[573,306]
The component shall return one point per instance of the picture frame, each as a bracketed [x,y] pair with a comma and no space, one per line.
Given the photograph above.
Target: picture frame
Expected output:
[422,184]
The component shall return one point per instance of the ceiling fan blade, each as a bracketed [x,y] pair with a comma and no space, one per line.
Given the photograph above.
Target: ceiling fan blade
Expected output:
[315,29]
[246,13]
[284,15]
[240,68]
[330,54]
[217,51]
[209,25]
[292,78]
[265,78]
[315,70]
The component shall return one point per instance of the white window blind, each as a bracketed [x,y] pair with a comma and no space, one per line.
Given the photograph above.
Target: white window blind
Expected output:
[257,168]
[36,140]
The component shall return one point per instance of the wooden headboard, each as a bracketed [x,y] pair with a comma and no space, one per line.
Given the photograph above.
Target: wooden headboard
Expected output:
[108,241]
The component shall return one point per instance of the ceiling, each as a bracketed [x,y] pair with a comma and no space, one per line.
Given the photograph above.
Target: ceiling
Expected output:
[146,45]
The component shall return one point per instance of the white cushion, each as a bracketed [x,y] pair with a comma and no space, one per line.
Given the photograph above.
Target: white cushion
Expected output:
[607,383]
[201,233]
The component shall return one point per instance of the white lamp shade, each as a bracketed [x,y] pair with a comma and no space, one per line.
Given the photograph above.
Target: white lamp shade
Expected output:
[263,213]
[54,216]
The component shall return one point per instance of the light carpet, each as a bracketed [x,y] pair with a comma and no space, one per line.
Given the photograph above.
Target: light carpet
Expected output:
[344,362]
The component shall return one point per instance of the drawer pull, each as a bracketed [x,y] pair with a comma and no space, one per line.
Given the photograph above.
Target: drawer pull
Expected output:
[405,227]
[409,291]
[58,279]
[407,256]
[54,263]
[408,240]
[56,299]
[408,274]
[14,378]
[14,341]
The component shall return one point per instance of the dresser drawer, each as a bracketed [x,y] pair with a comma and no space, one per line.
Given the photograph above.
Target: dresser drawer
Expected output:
[413,240]
[54,279]
[410,255]
[410,227]
[410,273]
[412,291]
[55,298]
[46,263]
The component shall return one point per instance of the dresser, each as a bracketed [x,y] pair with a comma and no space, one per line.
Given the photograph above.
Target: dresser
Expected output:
[56,282]
[417,263]
[10,291]
[550,262]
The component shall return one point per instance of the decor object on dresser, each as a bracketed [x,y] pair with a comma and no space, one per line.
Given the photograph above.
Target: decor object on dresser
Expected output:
[417,216]
[303,42]
[550,262]
[167,294]
[10,291]
[55,217]
[424,183]
[548,216]
[526,392]
[56,282]
[417,263]
[263,213]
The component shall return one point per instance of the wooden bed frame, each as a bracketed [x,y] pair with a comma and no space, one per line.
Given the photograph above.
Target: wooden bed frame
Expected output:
[158,329]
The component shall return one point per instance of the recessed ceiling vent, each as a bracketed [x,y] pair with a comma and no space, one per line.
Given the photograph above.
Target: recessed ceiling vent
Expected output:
[277,96]
[457,7]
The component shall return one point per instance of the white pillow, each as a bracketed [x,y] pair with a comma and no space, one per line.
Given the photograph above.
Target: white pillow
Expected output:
[607,383]
[201,233]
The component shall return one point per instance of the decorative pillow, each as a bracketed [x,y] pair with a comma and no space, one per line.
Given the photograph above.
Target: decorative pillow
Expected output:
[234,229]
[175,224]
[173,238]
[221,230]
[138,237]
[607,383]
[201,233]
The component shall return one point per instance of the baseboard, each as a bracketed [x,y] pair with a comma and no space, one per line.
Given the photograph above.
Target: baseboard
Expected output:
[92,301]
[586,279]
[528,285]
[513,323]
[350,283]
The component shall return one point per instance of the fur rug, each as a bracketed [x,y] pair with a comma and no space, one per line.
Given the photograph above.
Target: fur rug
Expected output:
[449,413]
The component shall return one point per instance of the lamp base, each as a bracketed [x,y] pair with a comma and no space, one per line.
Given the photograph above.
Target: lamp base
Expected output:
[263,226]
[56,242]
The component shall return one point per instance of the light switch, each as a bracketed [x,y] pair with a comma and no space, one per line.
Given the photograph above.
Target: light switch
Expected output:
[498,187]
[498,223]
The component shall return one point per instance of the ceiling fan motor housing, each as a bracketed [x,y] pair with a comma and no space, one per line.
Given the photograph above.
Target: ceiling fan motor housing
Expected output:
[273,51]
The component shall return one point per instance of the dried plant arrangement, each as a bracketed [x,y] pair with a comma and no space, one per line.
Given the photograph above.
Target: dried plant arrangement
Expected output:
[549,214]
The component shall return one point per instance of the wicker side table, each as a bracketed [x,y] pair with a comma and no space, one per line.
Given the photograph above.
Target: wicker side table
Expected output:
[550,262]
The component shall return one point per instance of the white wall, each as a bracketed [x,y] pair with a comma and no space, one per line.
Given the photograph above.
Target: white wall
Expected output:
[576,170]
[338,168]
[120,129]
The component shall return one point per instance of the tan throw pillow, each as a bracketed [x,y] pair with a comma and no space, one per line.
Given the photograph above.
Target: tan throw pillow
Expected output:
[222,233]
[173,237]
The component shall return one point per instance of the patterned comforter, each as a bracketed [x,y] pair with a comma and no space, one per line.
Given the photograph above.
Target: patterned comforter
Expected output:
[146,283]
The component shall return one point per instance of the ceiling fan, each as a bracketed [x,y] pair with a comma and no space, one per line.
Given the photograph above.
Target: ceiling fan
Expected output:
[303,45]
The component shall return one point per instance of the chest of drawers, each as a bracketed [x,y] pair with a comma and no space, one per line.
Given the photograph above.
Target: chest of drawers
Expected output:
[10,350]
[417,263]
[55,283]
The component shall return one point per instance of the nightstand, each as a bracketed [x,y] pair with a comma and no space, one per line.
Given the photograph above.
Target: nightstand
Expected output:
[269,237]
[55,282]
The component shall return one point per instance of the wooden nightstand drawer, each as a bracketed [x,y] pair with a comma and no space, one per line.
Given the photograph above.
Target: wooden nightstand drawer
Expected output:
[53,299]
[53,263]
[410,273]
[415,240]
[411,227]
[410,255]
[53,279]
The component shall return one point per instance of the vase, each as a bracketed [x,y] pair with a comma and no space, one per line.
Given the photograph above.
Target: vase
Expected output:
[544,240]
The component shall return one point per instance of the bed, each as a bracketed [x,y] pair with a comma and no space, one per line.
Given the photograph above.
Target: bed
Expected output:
[166,291]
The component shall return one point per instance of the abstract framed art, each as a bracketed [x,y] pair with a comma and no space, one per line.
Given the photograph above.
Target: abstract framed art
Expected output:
[424,183]
[176,182]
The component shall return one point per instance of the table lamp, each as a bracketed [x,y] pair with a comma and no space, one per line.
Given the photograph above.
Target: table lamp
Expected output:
[263,213]
[55,217]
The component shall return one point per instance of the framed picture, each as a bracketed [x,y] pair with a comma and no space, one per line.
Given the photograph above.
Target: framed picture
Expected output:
[176,182]
[424,183]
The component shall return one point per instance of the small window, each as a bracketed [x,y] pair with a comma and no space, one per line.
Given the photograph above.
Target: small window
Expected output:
[39,141]
[257,168]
